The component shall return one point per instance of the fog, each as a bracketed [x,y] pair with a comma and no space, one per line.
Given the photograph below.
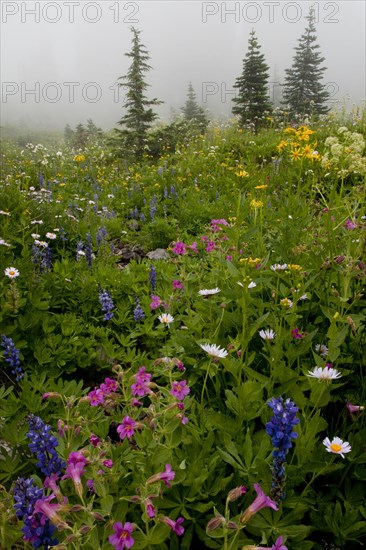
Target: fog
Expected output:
[60,61]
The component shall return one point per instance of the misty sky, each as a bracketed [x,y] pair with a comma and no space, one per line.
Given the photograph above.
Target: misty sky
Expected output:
[60,61]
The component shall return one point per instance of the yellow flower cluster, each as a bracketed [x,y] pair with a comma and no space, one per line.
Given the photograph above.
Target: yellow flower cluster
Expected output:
[256,204]
[250,261]
[297,145]
[79,158]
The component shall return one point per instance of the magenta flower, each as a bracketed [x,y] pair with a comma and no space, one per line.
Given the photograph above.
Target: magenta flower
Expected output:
[109,386]
[180,389]
[122,536]
[96,397]
[126,428]
[150,508]
[193,247]
[94,440]
[177,285]
[142,378]
[108,463]
[179,248]
[155,302]
[75,468]
[295,333]
[43,506]
[210,245]
[166,476]
[353,409]
[51,483]
[350,225]
[261,501]
[176,526]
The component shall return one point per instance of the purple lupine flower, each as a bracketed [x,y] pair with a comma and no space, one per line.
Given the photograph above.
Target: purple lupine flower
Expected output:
[261,501]
[152,277]
[43,444]
[101,235]
[11,356]
[36,529]
[126,428]
[89,249]
[122,536]
[153,207]
[107,304]
[176,526]
[280,428]
[138,313]
[180,389]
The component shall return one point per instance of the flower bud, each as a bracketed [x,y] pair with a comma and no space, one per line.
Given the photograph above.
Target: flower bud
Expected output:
[215,522]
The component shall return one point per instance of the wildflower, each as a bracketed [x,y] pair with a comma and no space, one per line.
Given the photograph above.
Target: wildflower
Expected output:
[337,446]
[108,463]
[350,225]
[155,302]
[107,304]
[138,313]
[51,236]
[210,246]
[11,356]
[279,267]
[285,302]
[209,292]
[11,272]
[278,545]
[149,508]
[176,526]
[88,250]
[96,397]
[76,463]
[140,387]
[109,386]
[280,428]
[327,373]
[4,243]
[152,277]
[236,493]
[214,350]
[252,284]
[322,349]
[261,501]
[215,523]
[256,204]
[180,389]
[94,440]
[45,508]
[177,285]
[295,333]
[126,428]
[37,530]
[261,186]
[166,318]
[101,235]
[267,334]
[353,409]
[179,248]
[43,444]
[122,536]
[166,476]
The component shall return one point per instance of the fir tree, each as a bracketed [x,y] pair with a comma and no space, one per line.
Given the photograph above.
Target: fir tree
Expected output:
[303,91]
[139,116]
[252,101]
[194,112]
[69,135]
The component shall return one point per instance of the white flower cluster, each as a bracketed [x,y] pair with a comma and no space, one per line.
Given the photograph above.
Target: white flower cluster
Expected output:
[345,152]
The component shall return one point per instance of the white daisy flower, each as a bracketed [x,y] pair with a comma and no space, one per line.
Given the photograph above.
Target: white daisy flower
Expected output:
[321,349]
[337,446]
[11,272]
[166,318]
[209,291]
[4,243]
[214,351]
[252,284]
[36,221]
[279,267]
[4,213]
[324,374]
[267,334]
[35,235]
[51,235]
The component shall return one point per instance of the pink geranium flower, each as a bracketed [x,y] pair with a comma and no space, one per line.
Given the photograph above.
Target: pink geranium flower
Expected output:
[126,428]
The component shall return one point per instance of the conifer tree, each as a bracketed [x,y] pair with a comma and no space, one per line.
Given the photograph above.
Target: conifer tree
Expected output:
[194,112]
[252,101]
[139,117]
[303,93]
